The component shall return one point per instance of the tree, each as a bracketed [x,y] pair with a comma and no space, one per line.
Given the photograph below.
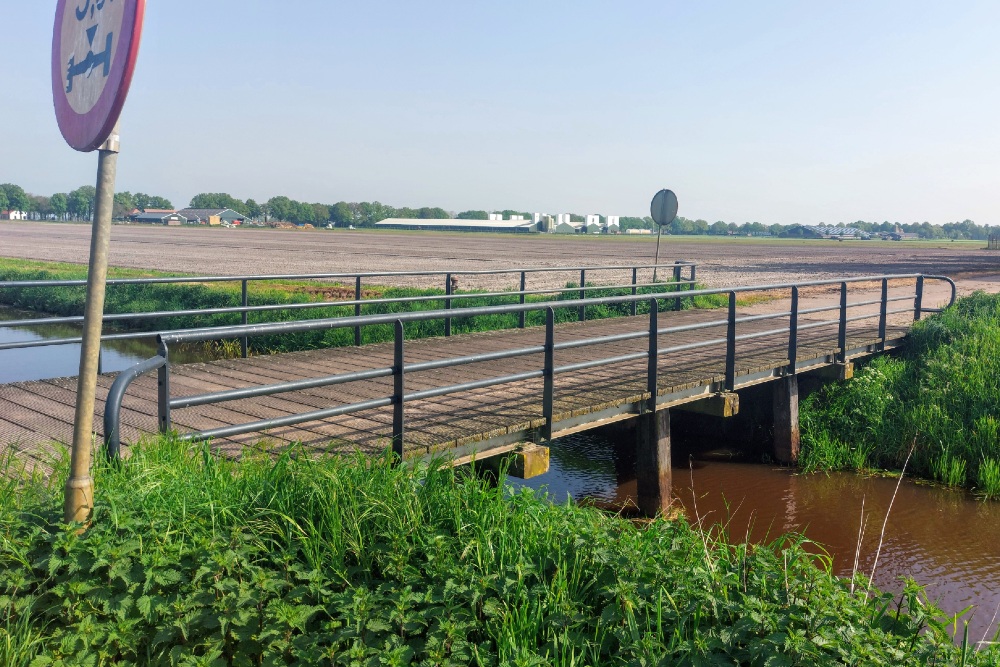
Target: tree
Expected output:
[81,202]
[4,203]
[342,214]
[368,213]
[719,227]
[321,213]
[59,203]
[473,215]
[406,213]
[280,208]
[427,213]
[253,209]
[17,198]
[219,200]
[124,204]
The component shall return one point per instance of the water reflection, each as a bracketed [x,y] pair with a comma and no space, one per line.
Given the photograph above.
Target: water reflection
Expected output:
[943,539]
[39,363]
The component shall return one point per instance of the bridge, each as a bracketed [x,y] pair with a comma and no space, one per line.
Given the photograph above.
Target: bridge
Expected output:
[480,395]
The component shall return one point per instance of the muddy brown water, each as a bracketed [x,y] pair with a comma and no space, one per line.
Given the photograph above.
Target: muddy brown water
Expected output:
[945,540]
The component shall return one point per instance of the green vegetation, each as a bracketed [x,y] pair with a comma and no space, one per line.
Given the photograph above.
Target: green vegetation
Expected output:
[147,298]
[943,394]
[197,560]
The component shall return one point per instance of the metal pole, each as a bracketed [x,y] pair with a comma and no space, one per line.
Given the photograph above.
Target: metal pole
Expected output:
[244,342]
[524,286]
[357,310]
[842,333]
[548,388]
[398,391]
[793,332]
[659,232]
[918,303]
[447,304]
[78,498]
[731,345]
[652,366]
[883,313]
[677,284]
[635,290]
[582,311]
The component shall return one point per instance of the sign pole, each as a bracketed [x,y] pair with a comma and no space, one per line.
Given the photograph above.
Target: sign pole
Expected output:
[79,495]
[663,210]
[659,232]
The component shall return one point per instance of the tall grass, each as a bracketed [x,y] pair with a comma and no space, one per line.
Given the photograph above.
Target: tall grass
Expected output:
[944,391]
[193,559]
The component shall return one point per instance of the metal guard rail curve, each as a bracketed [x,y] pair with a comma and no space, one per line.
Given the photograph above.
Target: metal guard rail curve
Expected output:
[398,370]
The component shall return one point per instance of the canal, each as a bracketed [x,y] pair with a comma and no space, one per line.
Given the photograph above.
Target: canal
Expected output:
[51,361]
[944,539]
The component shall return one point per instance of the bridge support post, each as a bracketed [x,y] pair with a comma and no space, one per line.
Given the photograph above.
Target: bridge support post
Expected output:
[652,462]
[786,419]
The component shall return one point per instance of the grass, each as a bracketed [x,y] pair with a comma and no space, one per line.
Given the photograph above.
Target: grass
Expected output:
[68,301]
[196,560]
[943,392]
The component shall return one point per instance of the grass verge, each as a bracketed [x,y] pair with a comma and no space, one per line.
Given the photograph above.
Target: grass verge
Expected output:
[197,560]
[68,301]
[943,392]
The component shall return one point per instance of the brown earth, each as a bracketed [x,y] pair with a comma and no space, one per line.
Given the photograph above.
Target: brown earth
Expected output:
[722,261]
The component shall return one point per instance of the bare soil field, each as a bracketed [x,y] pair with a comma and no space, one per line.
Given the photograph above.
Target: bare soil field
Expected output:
[722,261]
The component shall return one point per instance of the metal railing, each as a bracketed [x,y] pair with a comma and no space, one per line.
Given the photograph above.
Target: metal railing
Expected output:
[400,368]
[451,299]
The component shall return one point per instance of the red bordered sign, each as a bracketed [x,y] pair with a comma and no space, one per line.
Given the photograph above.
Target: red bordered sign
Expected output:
[94,48]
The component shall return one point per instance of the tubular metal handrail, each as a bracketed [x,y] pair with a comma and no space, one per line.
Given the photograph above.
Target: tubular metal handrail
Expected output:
[400,368]
[449,298]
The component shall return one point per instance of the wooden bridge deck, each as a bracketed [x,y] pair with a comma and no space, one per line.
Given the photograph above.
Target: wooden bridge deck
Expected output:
[34,415]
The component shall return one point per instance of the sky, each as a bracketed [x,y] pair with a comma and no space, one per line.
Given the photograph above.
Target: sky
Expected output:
[769,111]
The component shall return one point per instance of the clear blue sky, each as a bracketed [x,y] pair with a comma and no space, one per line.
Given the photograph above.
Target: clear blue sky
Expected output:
[751,111]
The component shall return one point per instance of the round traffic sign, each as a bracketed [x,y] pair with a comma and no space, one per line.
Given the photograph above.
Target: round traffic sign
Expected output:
[663,209]
[94,47]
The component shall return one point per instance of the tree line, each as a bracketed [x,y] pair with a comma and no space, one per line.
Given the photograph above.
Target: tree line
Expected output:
[79,205]
[75,205]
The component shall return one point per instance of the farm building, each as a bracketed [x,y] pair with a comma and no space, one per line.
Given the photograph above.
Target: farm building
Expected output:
[822,232]
[567,228]
[152,217]
[455,225]
[212,216]
[13,215]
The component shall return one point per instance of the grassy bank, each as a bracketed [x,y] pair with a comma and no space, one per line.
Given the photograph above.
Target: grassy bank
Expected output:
[68,301]
[943,394]
[193,560]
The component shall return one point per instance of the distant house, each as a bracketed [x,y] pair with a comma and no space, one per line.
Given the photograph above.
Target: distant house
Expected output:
[156,217]
[13,215]
[612,228]
[593,228]
[566,228]
[212,216]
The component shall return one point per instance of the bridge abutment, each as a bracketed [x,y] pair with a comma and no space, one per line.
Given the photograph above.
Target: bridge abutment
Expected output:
[785,408]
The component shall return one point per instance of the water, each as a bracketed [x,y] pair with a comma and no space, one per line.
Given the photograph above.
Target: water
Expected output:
[943,539]
[39,363]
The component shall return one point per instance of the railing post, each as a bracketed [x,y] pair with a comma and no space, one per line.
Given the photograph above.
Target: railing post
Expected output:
[548,390]
[447,304]
[731,344]
[357,309]
[793,332]
[524,286]
[582,314]
[691,286]
[883,314]
[635,290]
[842,333]
[244,342]
[398,392]
[652,362]
[677,284]
[918,301]
[163,391]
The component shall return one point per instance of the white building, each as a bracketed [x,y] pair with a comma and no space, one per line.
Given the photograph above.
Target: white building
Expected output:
[13,215]
[614,220]
[593,220]
[562,219]
[495,216]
